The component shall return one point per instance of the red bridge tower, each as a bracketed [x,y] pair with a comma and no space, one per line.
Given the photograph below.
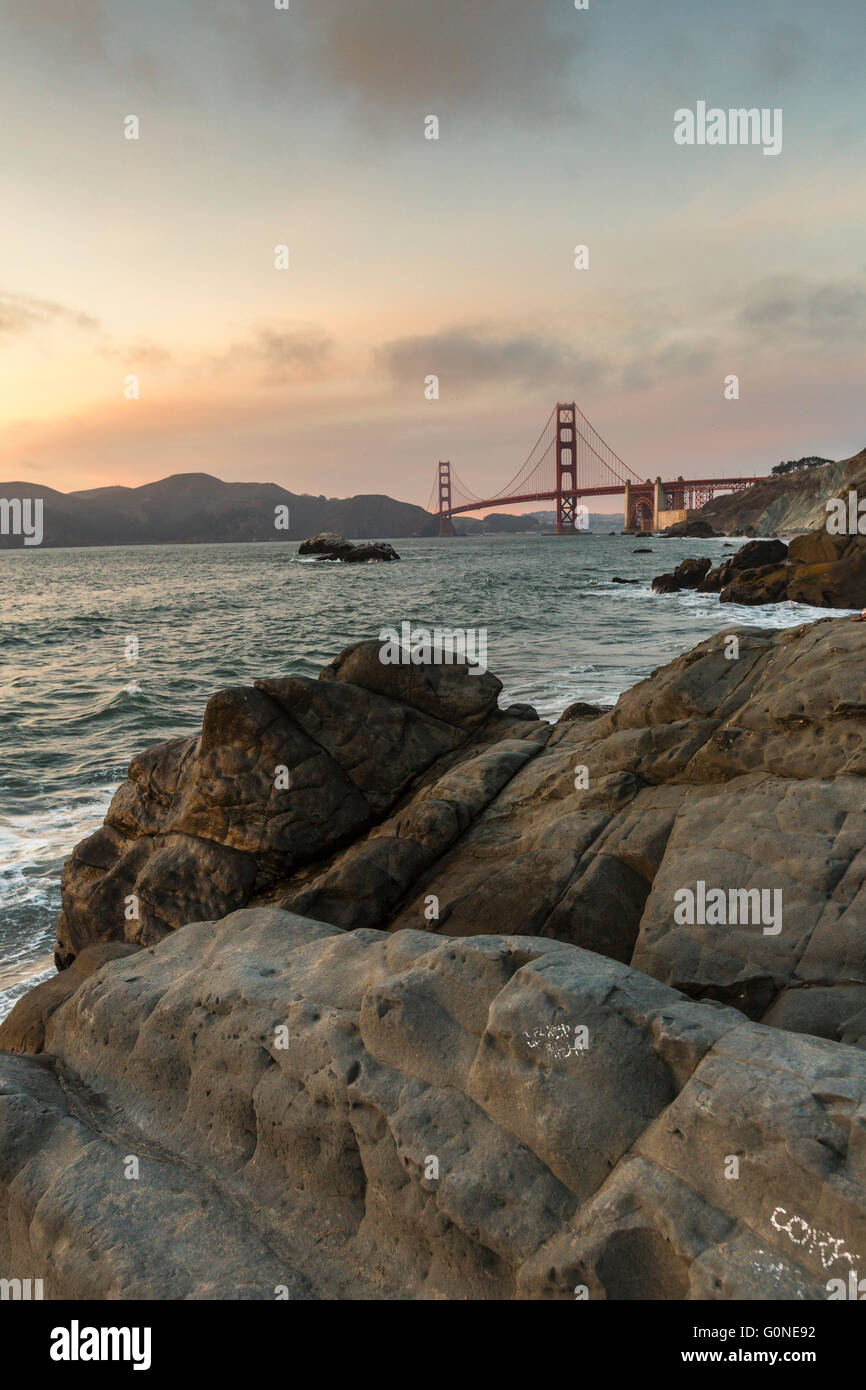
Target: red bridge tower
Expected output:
[566,467]
[445,526]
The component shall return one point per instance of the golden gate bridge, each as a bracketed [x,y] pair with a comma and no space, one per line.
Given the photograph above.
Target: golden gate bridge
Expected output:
[570,461]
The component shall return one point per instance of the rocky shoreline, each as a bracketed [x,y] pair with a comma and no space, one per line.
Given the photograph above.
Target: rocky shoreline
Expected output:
[820,569]
[395,993]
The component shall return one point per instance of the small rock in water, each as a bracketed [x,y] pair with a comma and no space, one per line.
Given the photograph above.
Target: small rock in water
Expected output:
[581,710]
[327,545]
[701,530]
[520,710]
[689,573]
[666,584]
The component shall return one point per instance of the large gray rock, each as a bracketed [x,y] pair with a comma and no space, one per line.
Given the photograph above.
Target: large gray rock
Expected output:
[415,803]
[437,904]
[280,775]
[373,1114]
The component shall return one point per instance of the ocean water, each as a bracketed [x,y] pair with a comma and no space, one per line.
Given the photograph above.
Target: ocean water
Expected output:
[74,709]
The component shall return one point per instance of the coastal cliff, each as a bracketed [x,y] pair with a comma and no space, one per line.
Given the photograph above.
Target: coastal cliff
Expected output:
[419,996]
[787,504]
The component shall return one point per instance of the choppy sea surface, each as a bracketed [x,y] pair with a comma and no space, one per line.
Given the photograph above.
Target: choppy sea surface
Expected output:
[74,709]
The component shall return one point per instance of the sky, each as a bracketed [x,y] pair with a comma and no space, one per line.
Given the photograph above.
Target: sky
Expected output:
[411,257]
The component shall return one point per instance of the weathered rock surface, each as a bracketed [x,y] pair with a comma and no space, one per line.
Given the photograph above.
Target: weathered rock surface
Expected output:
[839,583]
[281,775]
[751,556]
[391,1115]
[765,584]
[327,545]
[690,572]
[413,802]
[435,905]
[23,1030]
[581,710]
[666,584]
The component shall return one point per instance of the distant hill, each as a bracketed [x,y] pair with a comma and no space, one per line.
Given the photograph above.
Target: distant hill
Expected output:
[195,507]
[528,523]
[496,523]
[789,503]
[600,522]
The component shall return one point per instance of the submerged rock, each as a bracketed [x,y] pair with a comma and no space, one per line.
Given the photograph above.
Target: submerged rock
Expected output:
[327,545]
[701,530]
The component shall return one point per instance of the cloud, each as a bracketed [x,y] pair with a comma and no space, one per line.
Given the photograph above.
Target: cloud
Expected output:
[20,313]
[140,353]
[827,314]
[781,50]
[507,58]
[106,34]
[674,361]
[80,24]
[500,56]
[283,349]
[469,359]
[300,350]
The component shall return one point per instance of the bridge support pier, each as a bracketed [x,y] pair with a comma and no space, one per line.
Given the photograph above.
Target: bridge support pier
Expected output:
[669,505]
[566,468]
[639,509]
[446,527]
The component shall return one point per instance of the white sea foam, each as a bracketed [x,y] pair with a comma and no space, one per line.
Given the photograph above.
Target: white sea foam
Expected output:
[37,838]
[33,845]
